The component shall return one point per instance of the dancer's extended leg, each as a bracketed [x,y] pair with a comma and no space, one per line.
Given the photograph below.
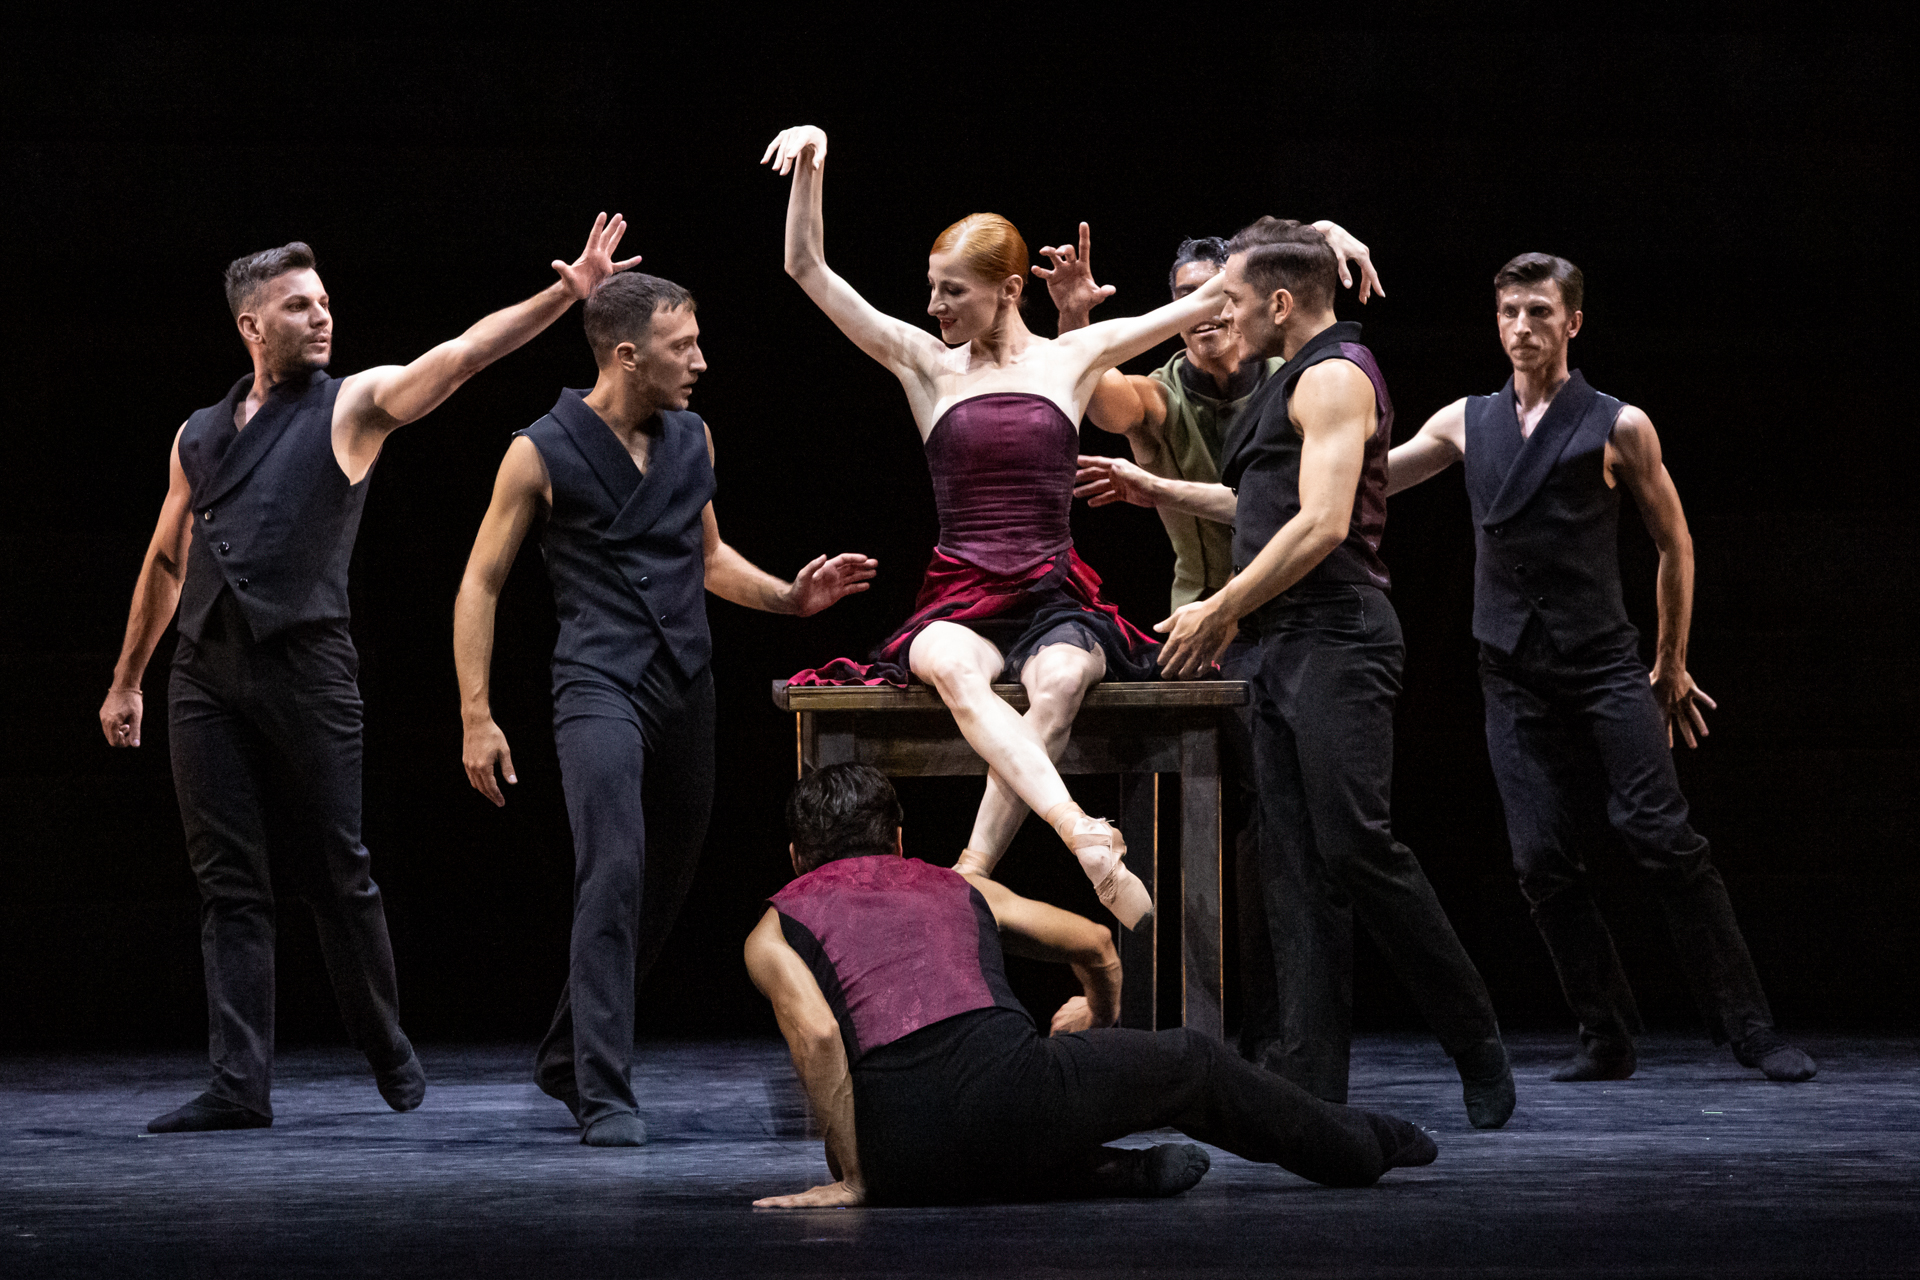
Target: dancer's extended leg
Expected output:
[960,666]
[1057,678]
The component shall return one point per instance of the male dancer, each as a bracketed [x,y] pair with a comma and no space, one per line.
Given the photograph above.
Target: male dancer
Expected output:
[1308,458]
[1572,713]
[1176,421]
[624,476]
[263,503]
[927,1076]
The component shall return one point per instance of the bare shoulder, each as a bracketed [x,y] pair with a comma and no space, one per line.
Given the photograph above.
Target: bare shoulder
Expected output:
[708,428]
[1633,438]
[523,472]
[1332,390]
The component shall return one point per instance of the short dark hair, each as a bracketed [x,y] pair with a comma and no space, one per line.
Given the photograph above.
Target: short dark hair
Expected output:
[1285,254]
[621,307]
[1206,249]
[841,811]
[1532,268]
[246,275]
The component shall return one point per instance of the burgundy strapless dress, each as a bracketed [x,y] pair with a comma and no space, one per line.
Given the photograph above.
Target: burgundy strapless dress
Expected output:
[1003,467]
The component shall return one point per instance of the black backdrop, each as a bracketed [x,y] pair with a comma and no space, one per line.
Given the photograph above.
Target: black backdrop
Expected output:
[1731,197]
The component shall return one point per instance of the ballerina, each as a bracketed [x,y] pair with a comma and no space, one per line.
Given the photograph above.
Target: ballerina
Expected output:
[1005,596]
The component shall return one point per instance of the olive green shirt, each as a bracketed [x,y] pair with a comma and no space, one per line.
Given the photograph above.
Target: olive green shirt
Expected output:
[1196,431]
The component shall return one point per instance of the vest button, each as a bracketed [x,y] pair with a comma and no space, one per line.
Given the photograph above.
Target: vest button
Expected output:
[1519,569]
[645,581]
[224,548]
[663,617]
[241,583]
[207,514]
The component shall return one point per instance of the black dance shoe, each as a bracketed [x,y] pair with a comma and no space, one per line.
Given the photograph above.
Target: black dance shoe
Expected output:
[208,1114]
[621,1129]
[1486,1083]
[1769,1053]
[1598,1062]
[1405,1145]
[1150,1173]
[403,1086]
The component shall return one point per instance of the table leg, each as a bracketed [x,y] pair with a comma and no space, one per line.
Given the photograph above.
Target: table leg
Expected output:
[1201,961]
[1138,821]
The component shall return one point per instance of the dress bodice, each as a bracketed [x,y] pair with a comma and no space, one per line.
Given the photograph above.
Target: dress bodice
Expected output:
[1003,466]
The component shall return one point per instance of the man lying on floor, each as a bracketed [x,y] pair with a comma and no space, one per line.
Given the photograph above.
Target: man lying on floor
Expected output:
[928,1077]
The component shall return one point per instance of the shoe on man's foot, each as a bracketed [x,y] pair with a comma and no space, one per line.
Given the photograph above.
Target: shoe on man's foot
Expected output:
[1150,1173]
[206,1114]
[1594,1062]
[404,1086]
[1780,1060]
[1404,1144]
[621,1129]
[1486,1083]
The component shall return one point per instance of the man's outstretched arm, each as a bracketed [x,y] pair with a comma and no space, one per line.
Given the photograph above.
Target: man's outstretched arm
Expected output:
[819,1057]
[374,402]
[518,491]
[1440,442]
[156,594]
[1102,480]
[1041,932]
[820,582]
[1633,456]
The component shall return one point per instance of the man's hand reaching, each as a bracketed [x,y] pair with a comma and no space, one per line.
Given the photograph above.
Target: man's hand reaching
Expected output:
[1347,249]
[822,582]
[1681,699]
[1070,281]
[1102,481]
[1196,635]
[595,262]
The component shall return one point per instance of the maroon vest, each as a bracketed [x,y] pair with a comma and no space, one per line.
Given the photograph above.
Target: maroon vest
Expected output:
[896,945]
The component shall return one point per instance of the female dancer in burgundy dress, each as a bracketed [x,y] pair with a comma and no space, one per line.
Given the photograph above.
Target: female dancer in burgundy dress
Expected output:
[998,409]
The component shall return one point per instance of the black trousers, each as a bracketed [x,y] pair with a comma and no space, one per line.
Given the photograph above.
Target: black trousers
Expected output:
[1259,1012]
[637,767]
[267,762]
[1577,742]
[1330,658]
[982,1107]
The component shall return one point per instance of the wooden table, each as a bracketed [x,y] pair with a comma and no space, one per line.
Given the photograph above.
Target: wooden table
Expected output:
[1137,731]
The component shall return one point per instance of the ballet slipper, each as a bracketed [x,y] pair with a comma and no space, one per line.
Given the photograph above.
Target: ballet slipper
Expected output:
[1097,844]
[975,863]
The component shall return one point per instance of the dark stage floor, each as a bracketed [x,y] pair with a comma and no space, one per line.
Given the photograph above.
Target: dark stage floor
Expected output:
[1695,1167]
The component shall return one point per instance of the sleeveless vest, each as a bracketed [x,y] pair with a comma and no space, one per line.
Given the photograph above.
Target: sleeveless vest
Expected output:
[1196,431]
[624,550]
[274,518]
[896,945]
[1546,524]
[1262,465]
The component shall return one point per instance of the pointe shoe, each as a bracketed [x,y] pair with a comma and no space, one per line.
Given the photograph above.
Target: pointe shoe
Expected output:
[975,863]
[1101,853]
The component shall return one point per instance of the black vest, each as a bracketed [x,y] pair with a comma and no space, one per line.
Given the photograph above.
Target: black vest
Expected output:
[625,551]
[1261,463]
[1546,523]
[273,515]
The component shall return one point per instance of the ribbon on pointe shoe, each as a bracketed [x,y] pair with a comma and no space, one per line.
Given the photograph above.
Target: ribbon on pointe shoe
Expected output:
[1101,851]
[975,863]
